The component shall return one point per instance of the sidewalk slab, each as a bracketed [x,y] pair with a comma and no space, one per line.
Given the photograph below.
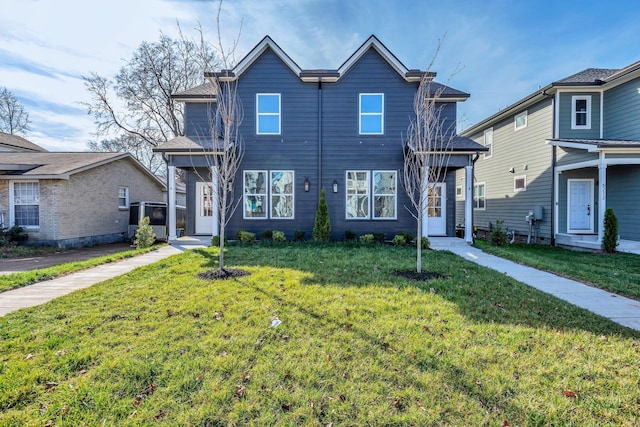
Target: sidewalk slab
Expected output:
[41,292]
[622,310]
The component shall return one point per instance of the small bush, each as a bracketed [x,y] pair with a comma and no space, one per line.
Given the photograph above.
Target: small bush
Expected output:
[425,243]
[215,241]
[399,240]
[408,236]
[298,235]
[145,236]
[367,239]
[245,236]
[610,239]
[350,235]
[15,235]
[499,236]
[278,236]
[379,237]
[267,235]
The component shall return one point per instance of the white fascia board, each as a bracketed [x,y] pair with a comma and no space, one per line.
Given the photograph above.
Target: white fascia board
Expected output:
[587,147]
[255,53]
[383,51]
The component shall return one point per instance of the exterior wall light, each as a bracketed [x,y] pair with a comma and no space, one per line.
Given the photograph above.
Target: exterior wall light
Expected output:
[307,185]
[335,186]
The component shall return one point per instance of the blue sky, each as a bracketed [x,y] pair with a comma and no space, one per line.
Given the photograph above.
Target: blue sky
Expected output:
[507,49]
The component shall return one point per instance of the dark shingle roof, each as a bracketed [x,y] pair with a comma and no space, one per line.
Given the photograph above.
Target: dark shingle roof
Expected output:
[17,143]
[588,76]
[54,164]
[205,90]
[456,144]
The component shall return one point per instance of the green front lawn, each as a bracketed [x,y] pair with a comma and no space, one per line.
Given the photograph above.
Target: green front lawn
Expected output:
[356,345]
[618,273]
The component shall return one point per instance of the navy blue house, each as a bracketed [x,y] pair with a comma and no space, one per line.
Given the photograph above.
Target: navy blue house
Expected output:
[307,130]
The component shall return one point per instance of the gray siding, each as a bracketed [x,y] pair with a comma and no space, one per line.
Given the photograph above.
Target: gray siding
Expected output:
[621,111]
[527,153]
[565,130]
[623,196]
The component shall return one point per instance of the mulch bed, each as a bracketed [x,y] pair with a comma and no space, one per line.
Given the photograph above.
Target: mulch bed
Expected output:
[222,274]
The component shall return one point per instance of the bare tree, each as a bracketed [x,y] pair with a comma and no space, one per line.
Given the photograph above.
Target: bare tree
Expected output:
[226,140]
[14,119]
[426,153]
[135,111]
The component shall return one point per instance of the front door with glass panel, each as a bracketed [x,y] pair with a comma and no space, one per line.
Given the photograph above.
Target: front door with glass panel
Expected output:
[580,206]
[204,208]
[437,210]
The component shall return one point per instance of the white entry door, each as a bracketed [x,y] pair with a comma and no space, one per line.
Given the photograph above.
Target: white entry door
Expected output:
[580,207]
[437,209]
[204,208]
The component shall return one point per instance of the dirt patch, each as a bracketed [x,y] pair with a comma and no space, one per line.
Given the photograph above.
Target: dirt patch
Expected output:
[61,256]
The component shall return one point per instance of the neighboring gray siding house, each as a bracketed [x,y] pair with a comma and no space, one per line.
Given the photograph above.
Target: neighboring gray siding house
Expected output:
[566,153]
[70,199]
[306,130]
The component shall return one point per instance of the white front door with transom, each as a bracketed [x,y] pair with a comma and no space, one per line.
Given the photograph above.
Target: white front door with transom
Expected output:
[437,209]
[580,207]
[204,208]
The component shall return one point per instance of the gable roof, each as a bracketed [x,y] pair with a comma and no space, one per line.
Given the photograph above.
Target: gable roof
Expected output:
[13,143]
[60,165]
[326,75]
[598,77]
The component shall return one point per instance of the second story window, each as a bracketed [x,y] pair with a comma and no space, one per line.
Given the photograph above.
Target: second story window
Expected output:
[520,120]
[488,142]
[580,112]
[371,114]
[268,114]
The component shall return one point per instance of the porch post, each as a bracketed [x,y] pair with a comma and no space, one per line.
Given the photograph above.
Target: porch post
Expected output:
[215,199]
[171,193]
[602,197]
[468,204]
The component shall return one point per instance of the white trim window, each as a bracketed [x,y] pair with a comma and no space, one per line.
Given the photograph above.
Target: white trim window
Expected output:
[268,117]
[25,204]
[459,192]
[479,196]
[273,198]
[520,183]
[520,120]
[123,197]
[359,191]
[488,143]
[282,194]
[357,202]
[371,114]
[384,194]
[581,112]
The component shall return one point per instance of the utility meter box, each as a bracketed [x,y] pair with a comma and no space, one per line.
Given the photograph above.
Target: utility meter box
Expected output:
[537,212]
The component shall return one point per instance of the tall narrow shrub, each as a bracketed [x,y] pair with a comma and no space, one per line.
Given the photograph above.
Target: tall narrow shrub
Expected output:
[610,240]
[322,225]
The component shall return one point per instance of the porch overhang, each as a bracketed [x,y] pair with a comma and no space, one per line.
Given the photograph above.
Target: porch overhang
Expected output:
[598,145]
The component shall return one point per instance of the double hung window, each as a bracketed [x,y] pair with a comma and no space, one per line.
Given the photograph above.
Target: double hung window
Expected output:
[371,115]
[580,112]
[268,117]
[26,204]
[479,196]
[488,142]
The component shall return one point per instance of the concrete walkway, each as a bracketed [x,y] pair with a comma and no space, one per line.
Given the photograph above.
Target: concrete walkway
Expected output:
[41,292]
[621,310]
[624,311]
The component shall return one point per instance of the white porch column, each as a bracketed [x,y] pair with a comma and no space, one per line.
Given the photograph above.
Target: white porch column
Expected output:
[171,193]
[602,197]
[424,193]
[215,199]
[468,204]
